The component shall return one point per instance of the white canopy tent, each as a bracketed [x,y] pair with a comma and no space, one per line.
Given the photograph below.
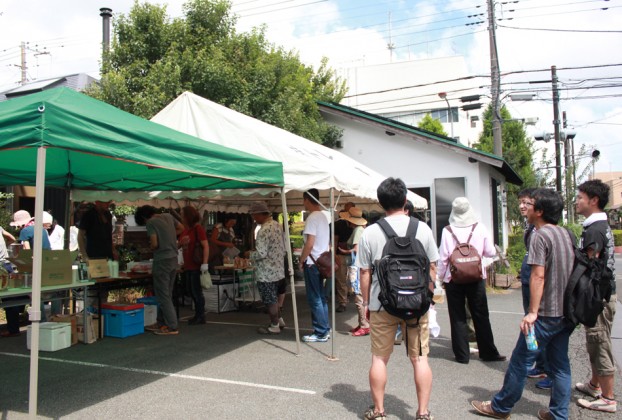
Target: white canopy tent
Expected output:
[306,165]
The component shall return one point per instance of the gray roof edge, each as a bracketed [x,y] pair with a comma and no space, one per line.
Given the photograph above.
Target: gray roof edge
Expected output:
[485,157]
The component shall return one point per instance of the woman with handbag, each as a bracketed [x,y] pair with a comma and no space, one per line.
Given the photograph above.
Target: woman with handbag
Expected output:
[355,219]
[193,242]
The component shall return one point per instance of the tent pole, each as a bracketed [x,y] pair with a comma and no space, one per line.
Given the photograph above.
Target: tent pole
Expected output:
[288,248]
[35,309]
[332,284]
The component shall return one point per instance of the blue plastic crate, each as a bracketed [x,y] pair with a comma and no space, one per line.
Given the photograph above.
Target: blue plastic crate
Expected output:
[148,300]
[123,324]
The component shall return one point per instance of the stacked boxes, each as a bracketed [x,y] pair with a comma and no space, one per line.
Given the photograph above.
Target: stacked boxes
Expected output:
[151,309]
[123,320]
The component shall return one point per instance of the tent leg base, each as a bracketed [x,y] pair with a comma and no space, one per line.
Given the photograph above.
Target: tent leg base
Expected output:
[332,358]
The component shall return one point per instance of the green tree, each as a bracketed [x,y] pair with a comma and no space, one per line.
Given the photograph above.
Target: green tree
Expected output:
[432,125]
[154,58]
[517,151]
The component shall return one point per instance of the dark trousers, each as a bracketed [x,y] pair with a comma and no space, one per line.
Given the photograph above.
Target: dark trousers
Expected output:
[475,295]
[193,280]
[12,312]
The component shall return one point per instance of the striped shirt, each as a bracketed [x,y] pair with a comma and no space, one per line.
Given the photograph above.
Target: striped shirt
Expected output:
[551,247]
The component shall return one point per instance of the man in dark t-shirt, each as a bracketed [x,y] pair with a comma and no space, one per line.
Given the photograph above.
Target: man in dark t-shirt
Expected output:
[342,233]
[162,230]
[597,241]
[95,233]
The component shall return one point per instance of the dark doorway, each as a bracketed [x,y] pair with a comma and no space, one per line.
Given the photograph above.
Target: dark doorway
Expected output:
[446,190]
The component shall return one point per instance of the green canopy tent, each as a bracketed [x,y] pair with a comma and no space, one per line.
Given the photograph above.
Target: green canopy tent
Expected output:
[63,138]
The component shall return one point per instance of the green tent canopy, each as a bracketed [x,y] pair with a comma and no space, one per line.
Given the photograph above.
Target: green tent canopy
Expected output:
[93,145]
[65,139]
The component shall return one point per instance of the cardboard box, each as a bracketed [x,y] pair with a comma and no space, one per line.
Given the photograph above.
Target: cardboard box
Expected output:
[55,266]
[98,269]
[74,325]
[92,323]
[52,336]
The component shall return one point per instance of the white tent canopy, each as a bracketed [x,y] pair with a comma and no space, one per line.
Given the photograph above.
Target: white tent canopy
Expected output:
[305,164]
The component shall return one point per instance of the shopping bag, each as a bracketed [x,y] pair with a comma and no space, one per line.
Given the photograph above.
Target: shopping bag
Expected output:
[206,280]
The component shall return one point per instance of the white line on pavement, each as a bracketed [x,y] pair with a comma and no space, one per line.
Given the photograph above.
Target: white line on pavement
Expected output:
[166,374]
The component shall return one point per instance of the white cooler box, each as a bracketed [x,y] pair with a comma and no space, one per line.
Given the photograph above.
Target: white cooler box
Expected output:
[52,336]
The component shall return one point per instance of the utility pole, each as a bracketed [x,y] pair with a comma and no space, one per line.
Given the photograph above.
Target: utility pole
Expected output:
[569,164]
[495,81]
[23,66]
[556,123]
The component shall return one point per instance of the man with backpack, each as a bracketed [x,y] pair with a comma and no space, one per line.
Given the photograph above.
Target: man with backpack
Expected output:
[463,244]
[551,260]
[417,283]
[597,242]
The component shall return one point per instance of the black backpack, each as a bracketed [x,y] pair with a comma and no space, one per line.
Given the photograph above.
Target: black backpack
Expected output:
[589,287]
[403,274]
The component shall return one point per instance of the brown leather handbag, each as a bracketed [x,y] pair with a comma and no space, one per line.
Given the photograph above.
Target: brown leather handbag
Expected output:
[323,263]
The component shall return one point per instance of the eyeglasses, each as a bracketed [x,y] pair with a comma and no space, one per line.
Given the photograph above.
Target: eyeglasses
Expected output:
[526,203]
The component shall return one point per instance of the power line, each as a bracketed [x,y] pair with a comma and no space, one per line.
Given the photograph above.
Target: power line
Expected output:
[560,30]
[416,86]
[285,8]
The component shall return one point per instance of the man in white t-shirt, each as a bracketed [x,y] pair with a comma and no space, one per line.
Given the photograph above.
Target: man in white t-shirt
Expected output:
[392,198]
[317,238]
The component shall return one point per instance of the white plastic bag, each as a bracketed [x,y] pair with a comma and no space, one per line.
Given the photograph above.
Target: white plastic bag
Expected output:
[435,329]
[206,280]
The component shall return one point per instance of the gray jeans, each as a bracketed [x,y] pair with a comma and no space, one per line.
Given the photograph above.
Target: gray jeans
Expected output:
[164,273]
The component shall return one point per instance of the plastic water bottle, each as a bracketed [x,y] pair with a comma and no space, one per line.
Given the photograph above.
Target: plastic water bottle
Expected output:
[532,343]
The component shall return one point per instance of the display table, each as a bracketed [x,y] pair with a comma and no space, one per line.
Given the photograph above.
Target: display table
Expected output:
[25,293]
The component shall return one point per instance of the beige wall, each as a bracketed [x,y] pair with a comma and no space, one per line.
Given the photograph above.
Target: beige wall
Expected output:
[614,179]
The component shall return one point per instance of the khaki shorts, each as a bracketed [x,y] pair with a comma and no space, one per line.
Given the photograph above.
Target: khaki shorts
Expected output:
[598,340]
[384,327]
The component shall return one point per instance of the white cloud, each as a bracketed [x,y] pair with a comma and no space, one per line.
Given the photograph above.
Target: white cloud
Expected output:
[354,33]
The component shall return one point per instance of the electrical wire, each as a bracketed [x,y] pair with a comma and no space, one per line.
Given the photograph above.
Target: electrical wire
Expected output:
[561,30]
[286,8]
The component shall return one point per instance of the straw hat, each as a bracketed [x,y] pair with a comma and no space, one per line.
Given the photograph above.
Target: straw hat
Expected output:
[462,214]
[354,216]
[20,218]
[258,207]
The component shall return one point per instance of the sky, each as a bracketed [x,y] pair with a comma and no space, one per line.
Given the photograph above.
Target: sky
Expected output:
[65,37]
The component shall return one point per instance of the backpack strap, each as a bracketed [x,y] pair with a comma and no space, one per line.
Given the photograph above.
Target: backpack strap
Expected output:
[468,241]
[411,231]
[387,229]
[413,225]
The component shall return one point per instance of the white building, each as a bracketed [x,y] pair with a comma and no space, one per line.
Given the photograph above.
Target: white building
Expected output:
[407,91]
[435,167]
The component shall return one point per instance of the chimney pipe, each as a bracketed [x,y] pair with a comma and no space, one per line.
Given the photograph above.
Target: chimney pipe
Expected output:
[106,14]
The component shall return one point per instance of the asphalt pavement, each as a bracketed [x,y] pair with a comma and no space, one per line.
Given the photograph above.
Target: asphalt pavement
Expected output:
[225,370]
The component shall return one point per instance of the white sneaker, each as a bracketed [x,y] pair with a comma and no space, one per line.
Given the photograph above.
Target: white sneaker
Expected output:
[600,404]
[588,389]
[281,323]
